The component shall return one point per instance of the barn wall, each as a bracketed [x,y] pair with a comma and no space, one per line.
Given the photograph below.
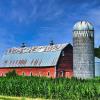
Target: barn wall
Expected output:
[48,72]
[65,63]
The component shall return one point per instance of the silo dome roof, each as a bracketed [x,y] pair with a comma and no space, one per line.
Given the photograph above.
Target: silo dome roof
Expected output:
[83,25]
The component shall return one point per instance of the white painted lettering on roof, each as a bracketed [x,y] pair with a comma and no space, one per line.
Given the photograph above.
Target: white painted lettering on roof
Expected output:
[36,49]
[36,56]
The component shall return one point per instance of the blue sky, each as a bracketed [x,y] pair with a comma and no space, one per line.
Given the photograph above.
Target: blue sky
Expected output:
[37,22]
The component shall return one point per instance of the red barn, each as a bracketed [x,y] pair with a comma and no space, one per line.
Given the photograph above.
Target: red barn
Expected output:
[50,61]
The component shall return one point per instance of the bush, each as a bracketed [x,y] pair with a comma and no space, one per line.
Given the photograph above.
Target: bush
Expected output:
[11,74]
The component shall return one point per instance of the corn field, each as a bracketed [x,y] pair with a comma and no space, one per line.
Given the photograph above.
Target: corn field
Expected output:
[58,89]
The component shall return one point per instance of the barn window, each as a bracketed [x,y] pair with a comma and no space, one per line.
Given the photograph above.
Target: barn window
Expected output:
[31,74]
[23,74]
[62,73]
[2,74]
[48,73]
[63,53]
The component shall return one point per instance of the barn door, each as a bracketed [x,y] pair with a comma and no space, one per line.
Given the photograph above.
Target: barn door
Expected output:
[61,74]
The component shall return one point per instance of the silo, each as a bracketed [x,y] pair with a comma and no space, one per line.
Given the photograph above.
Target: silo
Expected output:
[83,50]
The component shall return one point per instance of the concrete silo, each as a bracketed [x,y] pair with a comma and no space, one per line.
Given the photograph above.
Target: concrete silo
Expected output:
[83,50]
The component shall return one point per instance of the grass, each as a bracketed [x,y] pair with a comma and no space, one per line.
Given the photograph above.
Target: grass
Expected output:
[18,98]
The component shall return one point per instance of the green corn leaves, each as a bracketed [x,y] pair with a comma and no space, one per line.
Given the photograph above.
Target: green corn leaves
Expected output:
[59,89]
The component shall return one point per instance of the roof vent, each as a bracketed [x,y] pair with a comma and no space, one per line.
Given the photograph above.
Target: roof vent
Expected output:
[23,45]
[51,43]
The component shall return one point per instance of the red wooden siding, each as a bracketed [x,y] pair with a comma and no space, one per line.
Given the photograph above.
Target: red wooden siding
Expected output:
[65,63]
[48,71]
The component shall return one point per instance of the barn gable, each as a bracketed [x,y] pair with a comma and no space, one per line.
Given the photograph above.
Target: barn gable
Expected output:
[37,56]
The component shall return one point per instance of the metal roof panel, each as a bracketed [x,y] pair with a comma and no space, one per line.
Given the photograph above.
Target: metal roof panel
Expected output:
[97,59]
[36,59]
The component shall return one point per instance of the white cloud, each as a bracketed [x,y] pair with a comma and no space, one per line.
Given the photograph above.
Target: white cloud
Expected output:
[25,12]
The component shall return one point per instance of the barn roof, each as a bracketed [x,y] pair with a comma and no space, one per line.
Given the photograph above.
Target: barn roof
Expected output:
[47,48]
[36,56]
[97,59]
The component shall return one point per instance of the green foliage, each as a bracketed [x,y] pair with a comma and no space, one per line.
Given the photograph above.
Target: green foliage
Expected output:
[11,74]
[97,52]
[60,88]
